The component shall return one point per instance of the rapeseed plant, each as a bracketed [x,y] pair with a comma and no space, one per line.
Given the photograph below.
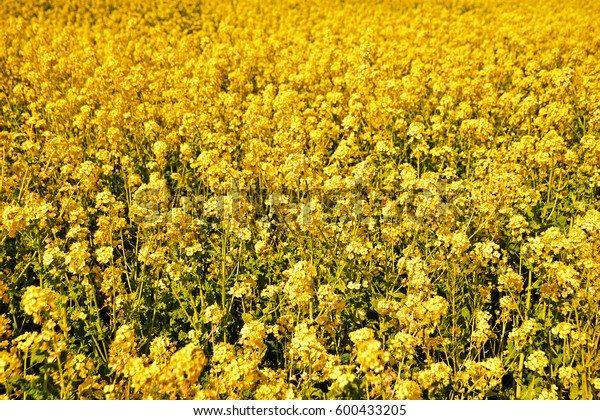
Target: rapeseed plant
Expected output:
[281,200]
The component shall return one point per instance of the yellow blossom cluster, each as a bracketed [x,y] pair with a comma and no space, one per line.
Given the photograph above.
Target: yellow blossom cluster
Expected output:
[281,199]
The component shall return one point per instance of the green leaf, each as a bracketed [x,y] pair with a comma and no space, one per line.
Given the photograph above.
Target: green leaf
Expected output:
[574,392]
[345,358]
[398,295]
[37,358]
[466,314]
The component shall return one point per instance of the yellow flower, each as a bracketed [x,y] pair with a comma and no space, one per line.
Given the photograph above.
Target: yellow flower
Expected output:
[562,329]
[252,335]
[77,258]
[10,366]
[299,286]
[537,362]
[306,349]
[548,394]
[39,303]
[568,376]
[407,390]
[104,254]
[213,314]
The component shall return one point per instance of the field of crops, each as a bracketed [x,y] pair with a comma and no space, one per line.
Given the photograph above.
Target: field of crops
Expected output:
[323,199]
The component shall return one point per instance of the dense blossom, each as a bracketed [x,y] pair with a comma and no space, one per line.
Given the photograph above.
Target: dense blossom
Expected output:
[285,199]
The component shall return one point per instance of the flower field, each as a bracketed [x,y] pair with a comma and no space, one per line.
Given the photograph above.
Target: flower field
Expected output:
[285,199]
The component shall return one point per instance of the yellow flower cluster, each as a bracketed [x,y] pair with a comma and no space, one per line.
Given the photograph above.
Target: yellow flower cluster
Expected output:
[537,362]
[278,199]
